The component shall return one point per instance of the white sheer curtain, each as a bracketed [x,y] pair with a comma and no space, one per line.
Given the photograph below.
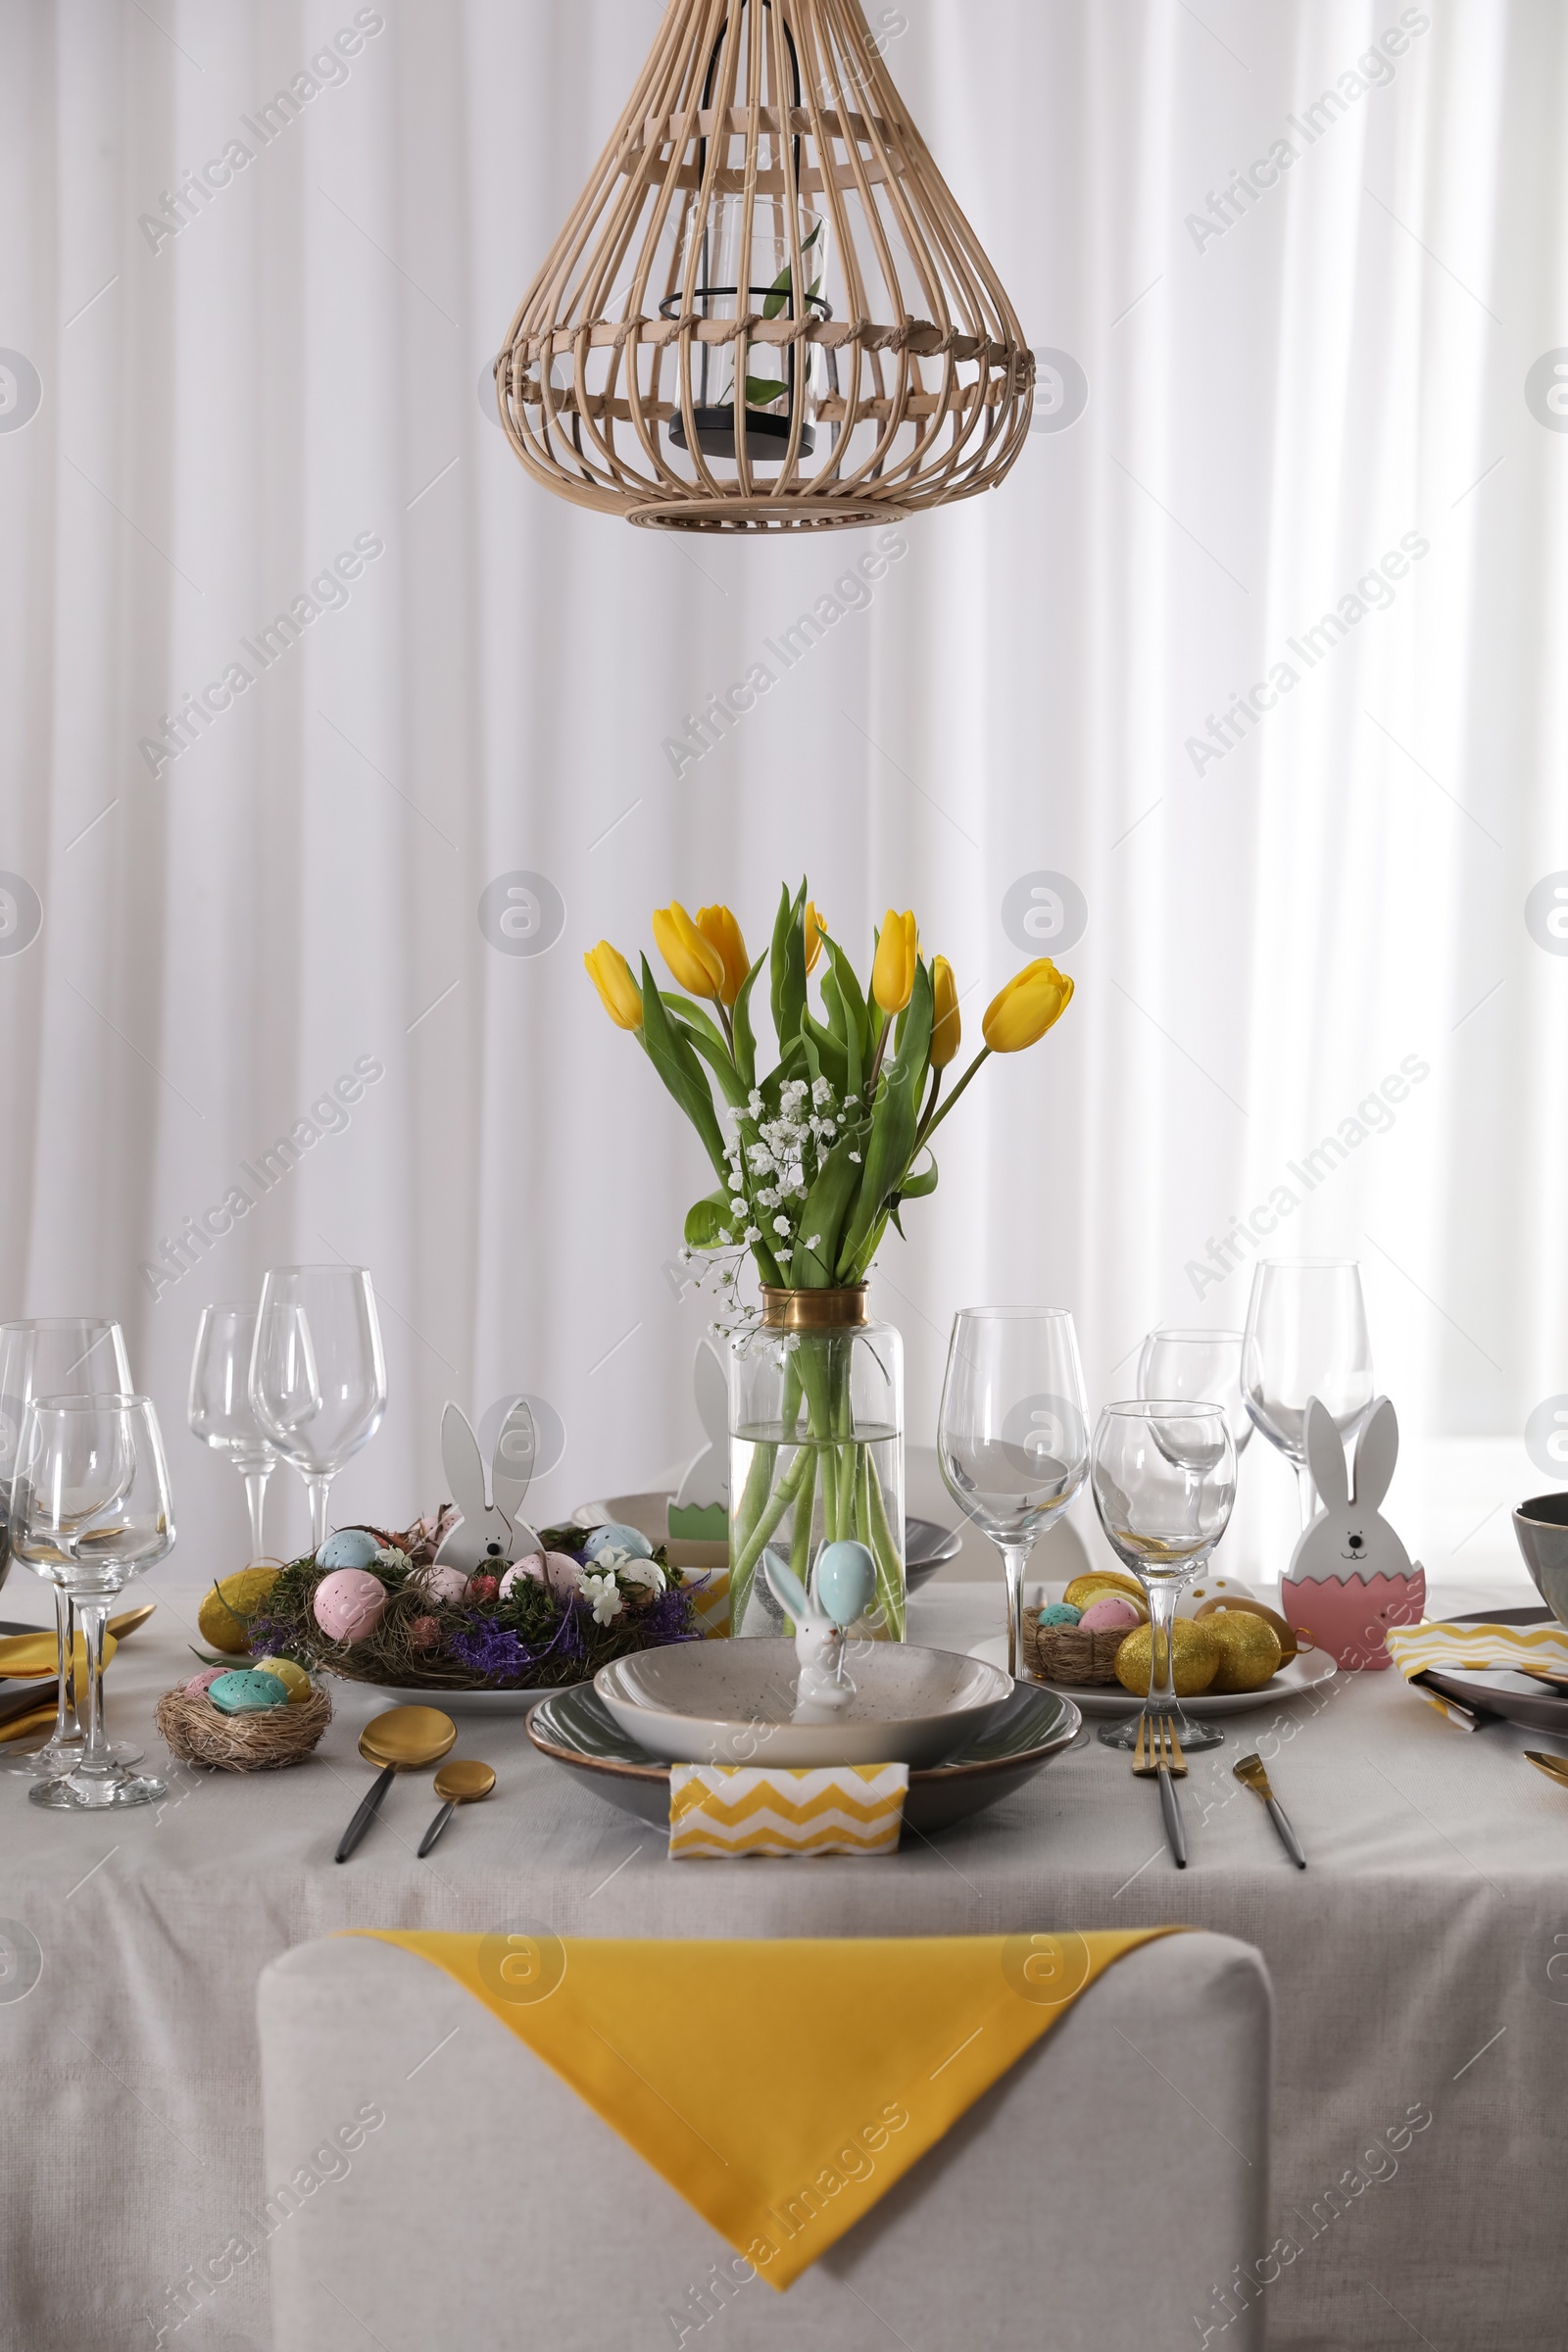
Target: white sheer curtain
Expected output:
[1327,389]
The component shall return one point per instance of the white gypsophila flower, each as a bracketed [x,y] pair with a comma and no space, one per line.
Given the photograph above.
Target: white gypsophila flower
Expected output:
[855,1157]
[816,1242]
[754,1103]
[753,1233]
[821,1091]
[781,1225]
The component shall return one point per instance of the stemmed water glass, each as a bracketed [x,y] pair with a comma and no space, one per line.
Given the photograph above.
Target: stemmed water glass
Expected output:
[317,1377]
[1165,1480]
[56,1355]
[1305,1336]
[220,1409]
[1204,1366]
[1012,1436]
[90,1508]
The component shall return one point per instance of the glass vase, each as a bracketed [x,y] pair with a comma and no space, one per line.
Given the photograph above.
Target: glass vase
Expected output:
[816,1451]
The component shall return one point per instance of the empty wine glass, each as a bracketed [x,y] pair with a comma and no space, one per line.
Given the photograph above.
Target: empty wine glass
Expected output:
[317,1377]
[220,1409]
[1202,1366]
[55,1355]
[90,1508]
[1012,1436]
[1305,1336]
[1164,1479]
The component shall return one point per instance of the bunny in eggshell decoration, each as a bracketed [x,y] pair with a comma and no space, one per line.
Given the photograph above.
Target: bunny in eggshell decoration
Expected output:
[1350,1576]
[492,1528]
[700,1509]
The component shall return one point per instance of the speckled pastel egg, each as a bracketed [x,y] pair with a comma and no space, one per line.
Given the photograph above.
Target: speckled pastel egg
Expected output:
[1110,1614]
[294,1679]
[1058,1612]
[200,1683]
[845,1580]
[531,1566]
[613,1537]
[349,1548]
[246,1692]
[348,1603]
[562,1574]
[446,1584]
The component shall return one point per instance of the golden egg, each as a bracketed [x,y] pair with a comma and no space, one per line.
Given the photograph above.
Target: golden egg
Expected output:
[1248,1649]
[226,1608]
[1089,1586]
[1286,1633]
[1194,1657]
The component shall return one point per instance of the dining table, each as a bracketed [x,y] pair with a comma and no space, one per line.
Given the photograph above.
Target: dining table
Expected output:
[1419,1966]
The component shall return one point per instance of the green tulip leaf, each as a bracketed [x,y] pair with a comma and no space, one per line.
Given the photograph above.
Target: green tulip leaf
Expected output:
[712,1224]
[821,1219]
[744,1039]
[669,1049]
[709,1038]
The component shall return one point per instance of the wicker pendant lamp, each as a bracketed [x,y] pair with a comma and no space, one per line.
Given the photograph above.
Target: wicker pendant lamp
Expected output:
[765,239]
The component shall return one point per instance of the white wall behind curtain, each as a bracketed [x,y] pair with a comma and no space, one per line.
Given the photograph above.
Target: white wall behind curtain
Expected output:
[1270,414]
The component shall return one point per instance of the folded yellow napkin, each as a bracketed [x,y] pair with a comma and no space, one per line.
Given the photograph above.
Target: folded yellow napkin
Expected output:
[1415,1648]
[718,1811]
[781,2138]
[712,1603]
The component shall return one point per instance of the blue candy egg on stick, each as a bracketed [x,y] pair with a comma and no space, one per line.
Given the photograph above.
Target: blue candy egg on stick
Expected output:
[845,1580]
[615,1538]
[247,1691]
[349,1548]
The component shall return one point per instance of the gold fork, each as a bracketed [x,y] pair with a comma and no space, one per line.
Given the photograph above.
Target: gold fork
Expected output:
[1158,1754]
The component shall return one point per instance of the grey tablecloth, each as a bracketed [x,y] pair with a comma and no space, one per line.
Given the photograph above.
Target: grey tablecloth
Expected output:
[1418,1967]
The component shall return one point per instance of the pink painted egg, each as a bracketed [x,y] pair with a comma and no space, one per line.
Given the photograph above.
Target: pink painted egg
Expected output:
[531,1566]
[204,1681]
[562,1574]
[1109,1614]
[447,1584]
[349,1602]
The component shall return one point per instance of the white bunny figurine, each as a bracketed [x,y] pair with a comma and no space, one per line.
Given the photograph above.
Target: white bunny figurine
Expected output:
[1350,1576]
[704,1485]
[823,1688]
[486,1536]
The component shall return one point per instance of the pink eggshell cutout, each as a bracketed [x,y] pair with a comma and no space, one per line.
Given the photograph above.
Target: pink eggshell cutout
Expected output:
[1103,1616]
[1349,1616]
[349,1602]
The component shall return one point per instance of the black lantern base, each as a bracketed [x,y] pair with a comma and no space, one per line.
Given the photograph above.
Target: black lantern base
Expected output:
[767,437]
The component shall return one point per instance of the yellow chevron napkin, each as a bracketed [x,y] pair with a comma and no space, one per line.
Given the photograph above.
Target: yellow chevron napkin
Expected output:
[720,1810]
[712,1602]
[782,2141]
[1415,1648]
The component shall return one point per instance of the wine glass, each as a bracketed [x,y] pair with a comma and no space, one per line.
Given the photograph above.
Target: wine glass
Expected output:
[1203,1366]
[1165,1480]
[54,1356]
[1012,1436]
[90,1508]
[317,1377]
[1305,1336]
[220,1409]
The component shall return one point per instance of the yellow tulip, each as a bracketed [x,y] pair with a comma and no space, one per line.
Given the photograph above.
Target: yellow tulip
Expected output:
[946,1027]
[619,992]
[722,931]
[1020,1013]
[893,970]
[698,966]
[815,928]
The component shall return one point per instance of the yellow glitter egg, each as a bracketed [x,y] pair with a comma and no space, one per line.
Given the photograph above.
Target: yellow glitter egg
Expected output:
[1194,1657]
[226,1608]
[294,1679]
[1248,1649]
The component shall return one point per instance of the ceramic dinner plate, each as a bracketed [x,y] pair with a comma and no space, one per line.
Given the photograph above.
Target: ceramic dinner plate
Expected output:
[470,1702]
[1307,1671]
[576,1731]
[738,1703]
[1498,1690]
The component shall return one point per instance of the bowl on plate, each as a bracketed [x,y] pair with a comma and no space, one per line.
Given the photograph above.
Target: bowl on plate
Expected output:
[1541,1526]
[737,1702]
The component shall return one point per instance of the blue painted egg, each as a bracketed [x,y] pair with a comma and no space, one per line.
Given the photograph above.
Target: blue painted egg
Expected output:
[845,1581]
[1059,1612]
[247,1691]
[350,1548]
[629,1539]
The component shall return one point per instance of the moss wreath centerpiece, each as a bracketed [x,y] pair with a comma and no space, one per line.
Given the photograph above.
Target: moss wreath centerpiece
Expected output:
[554,1617]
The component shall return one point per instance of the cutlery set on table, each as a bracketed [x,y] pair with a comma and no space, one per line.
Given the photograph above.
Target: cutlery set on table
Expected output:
[407,1740]
[1158,1755]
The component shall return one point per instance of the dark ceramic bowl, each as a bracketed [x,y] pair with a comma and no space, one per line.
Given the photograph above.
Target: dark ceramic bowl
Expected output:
[1541,1526]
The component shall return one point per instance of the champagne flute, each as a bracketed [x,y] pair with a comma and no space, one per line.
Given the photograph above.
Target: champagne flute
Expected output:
[1163,1480]
[317,1377]
[219,1408]
[90,1508]
[54,1356]
[1012,1436]
[1305,1336]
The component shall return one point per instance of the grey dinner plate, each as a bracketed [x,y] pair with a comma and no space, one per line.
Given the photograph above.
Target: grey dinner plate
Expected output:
[926,1549]
[575,1730]
[1498,1690]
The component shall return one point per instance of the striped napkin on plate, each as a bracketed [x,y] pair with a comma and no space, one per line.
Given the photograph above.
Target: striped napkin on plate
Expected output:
[1415,1648]
[720,1810]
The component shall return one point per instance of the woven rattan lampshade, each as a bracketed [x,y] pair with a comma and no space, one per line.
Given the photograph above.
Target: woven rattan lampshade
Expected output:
[765,221]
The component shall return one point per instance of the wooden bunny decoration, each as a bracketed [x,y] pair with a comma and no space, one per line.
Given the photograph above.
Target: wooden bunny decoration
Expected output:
[1350,1576]
[700,1510]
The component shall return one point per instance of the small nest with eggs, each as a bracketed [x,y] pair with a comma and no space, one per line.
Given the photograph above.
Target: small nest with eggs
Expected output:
[1065,1654]
[197,1733]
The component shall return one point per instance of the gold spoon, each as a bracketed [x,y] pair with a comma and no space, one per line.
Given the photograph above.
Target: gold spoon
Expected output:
[401,1740]
[461,1783]
[128,1623]
[1545,1673]
[1555,1768]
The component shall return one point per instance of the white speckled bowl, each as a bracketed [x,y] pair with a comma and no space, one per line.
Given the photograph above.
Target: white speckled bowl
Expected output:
[733,1702]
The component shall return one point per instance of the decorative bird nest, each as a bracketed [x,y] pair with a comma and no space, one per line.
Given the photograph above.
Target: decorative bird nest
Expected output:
[193,1730]
[766,311]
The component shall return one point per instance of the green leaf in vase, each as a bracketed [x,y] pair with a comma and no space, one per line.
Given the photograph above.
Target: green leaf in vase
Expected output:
[711,1223]
[812,1267]
[788,971]
[760,389]
[709,1038]
[671,1052]
[895,1119]
[780,291]
[744,1037]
